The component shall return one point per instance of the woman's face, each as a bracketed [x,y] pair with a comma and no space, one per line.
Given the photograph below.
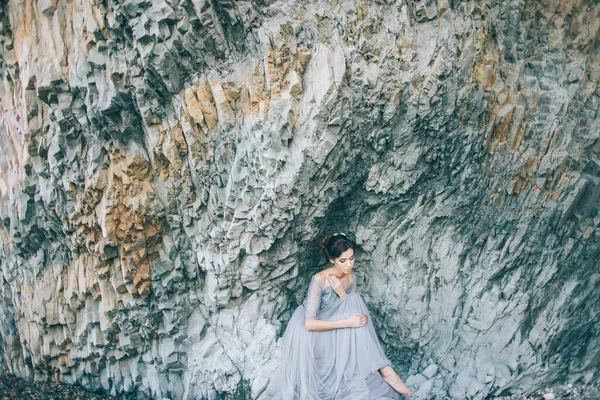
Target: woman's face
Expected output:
[345,262]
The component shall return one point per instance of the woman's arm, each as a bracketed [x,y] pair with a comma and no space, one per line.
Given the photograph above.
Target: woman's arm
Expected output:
[354,321]
[312,323]
[318,325]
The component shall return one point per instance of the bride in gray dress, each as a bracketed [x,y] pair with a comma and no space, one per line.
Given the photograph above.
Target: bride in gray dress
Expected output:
[330,350]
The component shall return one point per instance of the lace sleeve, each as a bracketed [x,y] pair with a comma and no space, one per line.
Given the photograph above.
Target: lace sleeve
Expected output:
[313,299]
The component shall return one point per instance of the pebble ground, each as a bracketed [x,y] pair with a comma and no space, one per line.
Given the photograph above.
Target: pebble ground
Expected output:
[563,392]
[15,388]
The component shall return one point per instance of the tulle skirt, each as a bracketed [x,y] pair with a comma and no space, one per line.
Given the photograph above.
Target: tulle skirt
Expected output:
[339,364]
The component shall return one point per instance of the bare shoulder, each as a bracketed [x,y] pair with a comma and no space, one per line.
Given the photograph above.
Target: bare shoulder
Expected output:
[321,276]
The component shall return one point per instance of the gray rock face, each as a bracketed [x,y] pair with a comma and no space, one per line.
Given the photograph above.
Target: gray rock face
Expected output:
[168,167]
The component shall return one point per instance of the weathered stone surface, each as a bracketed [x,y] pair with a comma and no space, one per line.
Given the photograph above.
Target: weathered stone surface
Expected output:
[167,168]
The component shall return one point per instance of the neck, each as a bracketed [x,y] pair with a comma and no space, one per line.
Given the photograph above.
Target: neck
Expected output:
[337,272]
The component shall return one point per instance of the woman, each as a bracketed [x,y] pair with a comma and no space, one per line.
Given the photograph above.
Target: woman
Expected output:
[330,349]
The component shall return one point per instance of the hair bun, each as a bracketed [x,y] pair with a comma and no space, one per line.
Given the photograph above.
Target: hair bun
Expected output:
[323,245]
[333,245]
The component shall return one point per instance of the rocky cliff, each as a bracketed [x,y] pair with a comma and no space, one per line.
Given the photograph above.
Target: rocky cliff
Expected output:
[168,167]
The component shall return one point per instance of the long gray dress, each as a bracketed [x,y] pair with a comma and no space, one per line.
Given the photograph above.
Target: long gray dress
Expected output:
[339,364]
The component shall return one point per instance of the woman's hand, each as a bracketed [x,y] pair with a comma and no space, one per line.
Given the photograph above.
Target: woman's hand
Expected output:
[336,285]
[356,321]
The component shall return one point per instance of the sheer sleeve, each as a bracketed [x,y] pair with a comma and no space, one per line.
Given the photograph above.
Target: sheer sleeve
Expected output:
[353,290]
[313,299]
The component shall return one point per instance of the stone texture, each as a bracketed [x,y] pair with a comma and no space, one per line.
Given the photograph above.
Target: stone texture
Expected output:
[168,167]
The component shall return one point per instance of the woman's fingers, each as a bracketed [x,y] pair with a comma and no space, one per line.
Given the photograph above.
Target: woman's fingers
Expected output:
[362,319]
[358,320]
[333,281]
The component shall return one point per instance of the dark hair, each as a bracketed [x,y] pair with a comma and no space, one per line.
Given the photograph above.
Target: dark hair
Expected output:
[335,244]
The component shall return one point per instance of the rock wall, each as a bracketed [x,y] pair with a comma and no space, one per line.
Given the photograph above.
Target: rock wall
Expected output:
[168,167]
